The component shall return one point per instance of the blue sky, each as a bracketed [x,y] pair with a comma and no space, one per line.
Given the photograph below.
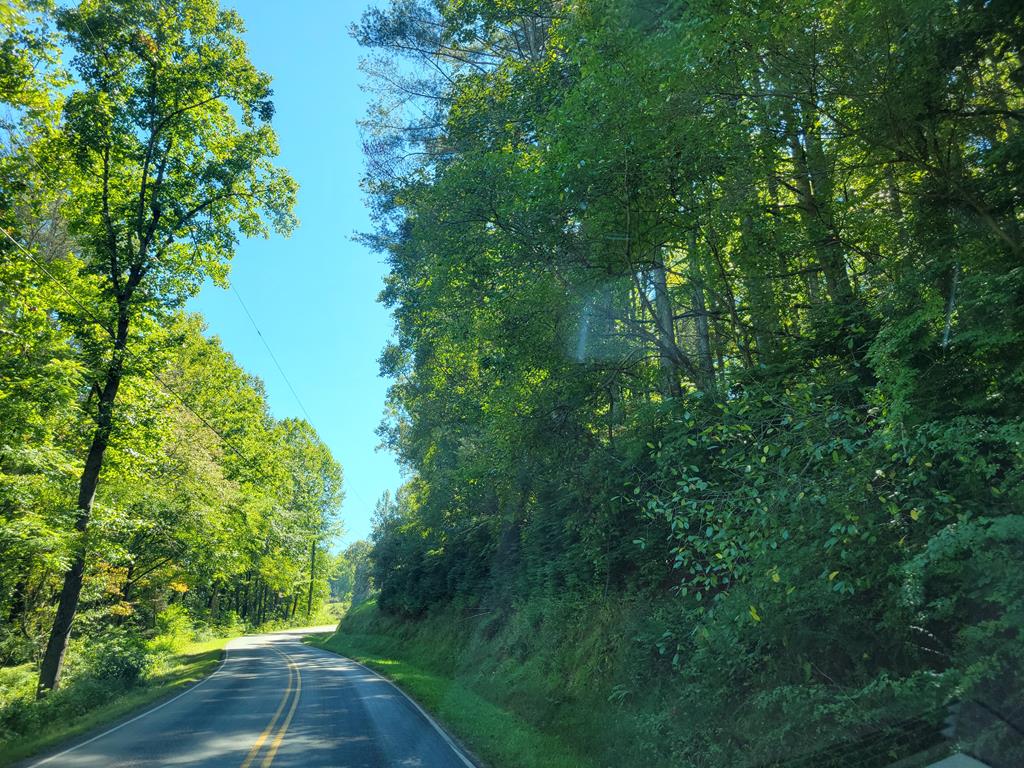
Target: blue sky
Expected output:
[313,295]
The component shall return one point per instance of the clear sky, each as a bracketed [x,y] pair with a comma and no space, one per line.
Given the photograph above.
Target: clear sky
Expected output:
[313,295]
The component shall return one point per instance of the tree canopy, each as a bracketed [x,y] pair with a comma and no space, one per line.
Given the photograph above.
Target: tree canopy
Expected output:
[718,309]
[140,465]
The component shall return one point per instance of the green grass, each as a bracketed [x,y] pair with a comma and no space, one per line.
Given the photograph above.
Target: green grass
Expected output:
[499,737]
[193,662]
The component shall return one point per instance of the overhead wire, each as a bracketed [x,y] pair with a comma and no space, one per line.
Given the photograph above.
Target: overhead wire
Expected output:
[271,353]
[249,462]
[284,375]
[129,353]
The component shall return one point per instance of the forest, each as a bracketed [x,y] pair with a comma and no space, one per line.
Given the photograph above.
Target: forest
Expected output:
[707,373]
[147,494]
[706,380]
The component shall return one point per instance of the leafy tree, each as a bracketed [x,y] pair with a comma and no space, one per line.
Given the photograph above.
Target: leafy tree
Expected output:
[315,495]
[167,177]
[716,311]
[351,581]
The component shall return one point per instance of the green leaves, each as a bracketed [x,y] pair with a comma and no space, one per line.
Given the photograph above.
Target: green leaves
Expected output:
[162,157]
[169,174]
[719,312]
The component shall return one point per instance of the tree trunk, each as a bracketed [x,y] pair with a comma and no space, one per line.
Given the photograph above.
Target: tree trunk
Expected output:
[57,645]
[19,604]
[243,600]
[312,566]
[950,305]
[705,365]
[814,184]
[764,315]
[126,592]
[666,329]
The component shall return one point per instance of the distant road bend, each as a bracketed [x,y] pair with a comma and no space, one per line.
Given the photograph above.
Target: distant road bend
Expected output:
[275,702]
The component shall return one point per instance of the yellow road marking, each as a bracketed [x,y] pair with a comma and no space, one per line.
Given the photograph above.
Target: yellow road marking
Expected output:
[288,720]
[270,727]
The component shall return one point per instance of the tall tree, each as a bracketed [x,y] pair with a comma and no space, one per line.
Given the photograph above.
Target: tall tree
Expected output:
[761,270]
[316,493]
[169,132]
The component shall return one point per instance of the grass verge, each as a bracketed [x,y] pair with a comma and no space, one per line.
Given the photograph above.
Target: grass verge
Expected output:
[192,663]
[498,737]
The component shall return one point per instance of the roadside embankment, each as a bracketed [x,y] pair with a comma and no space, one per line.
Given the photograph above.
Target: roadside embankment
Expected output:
[28,726]
[520,690]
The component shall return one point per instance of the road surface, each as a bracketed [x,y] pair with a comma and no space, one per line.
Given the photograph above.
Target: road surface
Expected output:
[275,702]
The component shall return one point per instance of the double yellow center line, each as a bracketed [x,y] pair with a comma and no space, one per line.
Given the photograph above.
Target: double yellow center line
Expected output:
[293,692]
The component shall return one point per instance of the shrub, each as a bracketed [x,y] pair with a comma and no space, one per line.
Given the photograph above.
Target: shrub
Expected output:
[229,624]
[120,657]
[173,630]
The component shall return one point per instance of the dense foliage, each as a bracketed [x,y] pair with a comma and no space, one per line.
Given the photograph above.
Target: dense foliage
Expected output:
[144,486]
[351,582]
[715,308]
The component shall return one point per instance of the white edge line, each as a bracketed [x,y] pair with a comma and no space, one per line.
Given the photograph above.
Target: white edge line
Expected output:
[118,727]
[444,734]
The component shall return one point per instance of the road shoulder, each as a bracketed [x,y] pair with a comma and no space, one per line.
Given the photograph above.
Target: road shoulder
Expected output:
[488,734]
[195,664]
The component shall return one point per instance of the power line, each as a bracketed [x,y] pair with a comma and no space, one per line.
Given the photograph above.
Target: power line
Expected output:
[170,390]
[272,355]
[285,377]
[225,441]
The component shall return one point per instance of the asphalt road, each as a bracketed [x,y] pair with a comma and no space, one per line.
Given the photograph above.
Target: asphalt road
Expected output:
[275,702]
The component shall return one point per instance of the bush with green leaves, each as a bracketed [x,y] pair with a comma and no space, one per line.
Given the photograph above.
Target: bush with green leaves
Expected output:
[98,670]
[851,574]
[174,628]
[120,657]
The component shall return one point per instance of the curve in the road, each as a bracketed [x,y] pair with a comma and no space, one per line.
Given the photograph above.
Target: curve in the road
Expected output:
[275,702]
